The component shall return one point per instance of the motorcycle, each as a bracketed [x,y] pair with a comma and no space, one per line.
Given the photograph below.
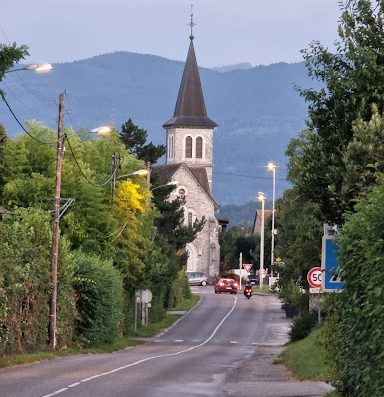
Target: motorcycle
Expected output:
[248,292]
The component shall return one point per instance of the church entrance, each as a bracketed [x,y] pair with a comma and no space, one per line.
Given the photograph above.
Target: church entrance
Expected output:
[192,257]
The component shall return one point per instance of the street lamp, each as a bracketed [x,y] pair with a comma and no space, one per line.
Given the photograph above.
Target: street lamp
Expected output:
[261,198]
[37,67]
[272,167]
[171,183]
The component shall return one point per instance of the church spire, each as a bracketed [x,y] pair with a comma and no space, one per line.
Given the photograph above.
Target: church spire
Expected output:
[190,106]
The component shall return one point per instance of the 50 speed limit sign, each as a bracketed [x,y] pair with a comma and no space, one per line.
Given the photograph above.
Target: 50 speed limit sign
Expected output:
[314,277]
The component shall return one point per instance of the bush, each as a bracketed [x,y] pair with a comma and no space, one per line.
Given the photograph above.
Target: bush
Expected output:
[99,299]
[302,325]
[355,326]
[180,290]
[25,270]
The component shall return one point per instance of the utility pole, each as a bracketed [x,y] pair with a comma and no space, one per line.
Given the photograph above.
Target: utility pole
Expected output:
[56,219]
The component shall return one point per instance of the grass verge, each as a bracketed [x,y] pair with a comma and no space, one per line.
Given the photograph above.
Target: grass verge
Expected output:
[119,343]
[307,361]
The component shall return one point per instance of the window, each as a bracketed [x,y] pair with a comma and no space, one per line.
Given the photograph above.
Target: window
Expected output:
[199,147]
[188,147]
[190,216]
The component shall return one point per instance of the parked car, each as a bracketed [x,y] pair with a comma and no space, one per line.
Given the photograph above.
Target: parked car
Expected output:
[253,279]
[197,278]
[226,285]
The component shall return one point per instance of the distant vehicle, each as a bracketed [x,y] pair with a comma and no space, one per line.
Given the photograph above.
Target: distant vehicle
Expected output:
[253,279]
[197,278]
[226,285]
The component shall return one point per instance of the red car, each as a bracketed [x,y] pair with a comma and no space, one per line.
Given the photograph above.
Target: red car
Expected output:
[226,285]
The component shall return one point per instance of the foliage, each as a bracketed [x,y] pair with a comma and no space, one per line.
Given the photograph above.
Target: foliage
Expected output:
[302,325]
[170,223]
[298,242]
[99,299]
[180,290]
[292,295]
[134,139]
[353,79]
[25,239]
[235,240]
[9,56]
[355,318]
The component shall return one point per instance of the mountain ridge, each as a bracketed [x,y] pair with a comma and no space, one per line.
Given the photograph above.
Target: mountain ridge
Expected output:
[257,109]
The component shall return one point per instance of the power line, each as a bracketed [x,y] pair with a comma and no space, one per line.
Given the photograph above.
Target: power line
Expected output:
[21,125]
[82,172]
[250,176]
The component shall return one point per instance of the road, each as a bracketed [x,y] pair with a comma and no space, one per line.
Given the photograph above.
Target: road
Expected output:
[192,358]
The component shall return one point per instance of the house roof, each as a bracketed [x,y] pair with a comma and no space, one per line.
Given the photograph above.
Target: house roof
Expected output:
[257,220]
[190,106]
[198,173]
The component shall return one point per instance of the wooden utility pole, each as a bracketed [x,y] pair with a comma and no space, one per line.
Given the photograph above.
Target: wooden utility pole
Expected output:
[56,219]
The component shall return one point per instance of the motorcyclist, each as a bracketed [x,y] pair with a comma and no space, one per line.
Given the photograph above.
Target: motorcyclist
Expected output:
[248,289]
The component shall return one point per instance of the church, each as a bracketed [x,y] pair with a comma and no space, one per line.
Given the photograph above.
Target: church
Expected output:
[189,144]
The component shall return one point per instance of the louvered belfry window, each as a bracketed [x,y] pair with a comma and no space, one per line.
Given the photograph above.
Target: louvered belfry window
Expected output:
[188,147]
[199,147]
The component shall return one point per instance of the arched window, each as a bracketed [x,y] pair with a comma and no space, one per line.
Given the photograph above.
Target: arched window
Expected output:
[190,218]
[199,147]
[188,147]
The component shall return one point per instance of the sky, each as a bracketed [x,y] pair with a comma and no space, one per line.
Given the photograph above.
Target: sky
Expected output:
[226,31]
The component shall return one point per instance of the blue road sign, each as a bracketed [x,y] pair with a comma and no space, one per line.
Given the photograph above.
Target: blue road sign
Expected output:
[329,264]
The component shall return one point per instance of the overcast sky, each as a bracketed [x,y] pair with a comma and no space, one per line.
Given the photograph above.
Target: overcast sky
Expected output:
[226,31]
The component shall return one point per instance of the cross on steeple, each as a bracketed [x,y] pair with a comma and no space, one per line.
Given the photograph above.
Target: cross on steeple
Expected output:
[191,24]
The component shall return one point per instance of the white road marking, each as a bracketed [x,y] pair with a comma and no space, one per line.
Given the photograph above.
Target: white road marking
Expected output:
[74,384]
[179,340]
[55,393]
[233,341]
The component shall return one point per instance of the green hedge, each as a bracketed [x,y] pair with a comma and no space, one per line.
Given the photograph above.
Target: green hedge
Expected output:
[355,323]
[99,299]
[25,268]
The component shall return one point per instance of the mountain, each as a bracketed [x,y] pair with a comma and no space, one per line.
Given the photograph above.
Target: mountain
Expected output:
[236,66]
[257,109]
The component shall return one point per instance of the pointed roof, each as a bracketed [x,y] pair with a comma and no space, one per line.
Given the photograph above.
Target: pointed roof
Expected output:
[190,106]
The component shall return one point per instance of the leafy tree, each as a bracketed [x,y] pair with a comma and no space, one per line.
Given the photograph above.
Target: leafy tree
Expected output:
[9,56]
[298,242]
[355,316]
[134,139]
[353,79]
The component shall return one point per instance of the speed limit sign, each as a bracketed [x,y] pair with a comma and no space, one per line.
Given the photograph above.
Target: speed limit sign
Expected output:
[314,277]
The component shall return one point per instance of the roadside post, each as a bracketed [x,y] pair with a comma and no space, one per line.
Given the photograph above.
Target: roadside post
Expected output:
[240,267]
[314,277]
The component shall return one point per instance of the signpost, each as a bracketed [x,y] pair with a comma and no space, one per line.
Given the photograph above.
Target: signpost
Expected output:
[329,263]
[314,277]
[247,266]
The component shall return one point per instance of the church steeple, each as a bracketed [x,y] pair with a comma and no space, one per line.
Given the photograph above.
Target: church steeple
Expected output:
[190,106]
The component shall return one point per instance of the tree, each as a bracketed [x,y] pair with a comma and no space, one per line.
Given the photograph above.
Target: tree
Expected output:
[134,139]
[352,80]
[9,56]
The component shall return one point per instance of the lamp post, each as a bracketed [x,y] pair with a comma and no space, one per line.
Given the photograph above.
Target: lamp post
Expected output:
[261,198]
[37,67]
[171,183]
[56,219]
[272,167]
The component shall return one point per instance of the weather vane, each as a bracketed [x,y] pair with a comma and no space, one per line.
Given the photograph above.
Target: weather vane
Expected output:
[191,24]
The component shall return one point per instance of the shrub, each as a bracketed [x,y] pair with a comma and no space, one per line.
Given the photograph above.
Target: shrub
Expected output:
[25,269]
[355,326]
[99,299]
[180,290]
[302,325]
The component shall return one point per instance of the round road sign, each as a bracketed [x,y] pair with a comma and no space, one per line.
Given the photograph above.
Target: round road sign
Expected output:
[314,277]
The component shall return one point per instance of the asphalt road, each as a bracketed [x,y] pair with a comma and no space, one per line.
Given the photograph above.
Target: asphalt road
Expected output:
[198,356]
